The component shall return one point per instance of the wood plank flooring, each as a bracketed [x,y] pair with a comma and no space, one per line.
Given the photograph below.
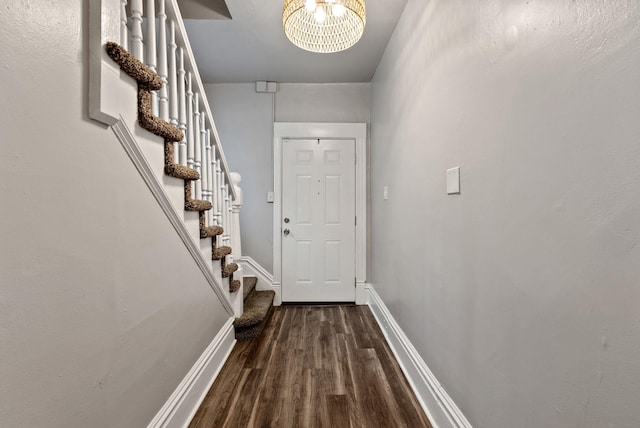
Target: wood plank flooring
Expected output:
[313,366]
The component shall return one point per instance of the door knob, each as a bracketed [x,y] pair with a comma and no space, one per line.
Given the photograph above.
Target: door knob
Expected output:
[286,232]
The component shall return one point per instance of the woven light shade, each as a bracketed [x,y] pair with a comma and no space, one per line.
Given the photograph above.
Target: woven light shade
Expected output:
[324,26]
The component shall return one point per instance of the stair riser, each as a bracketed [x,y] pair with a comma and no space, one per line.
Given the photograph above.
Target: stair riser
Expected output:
[254,332]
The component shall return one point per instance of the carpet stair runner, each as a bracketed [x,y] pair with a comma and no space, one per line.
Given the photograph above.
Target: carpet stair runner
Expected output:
[258,305]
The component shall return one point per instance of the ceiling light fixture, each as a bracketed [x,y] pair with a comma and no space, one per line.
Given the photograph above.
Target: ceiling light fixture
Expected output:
[324,26]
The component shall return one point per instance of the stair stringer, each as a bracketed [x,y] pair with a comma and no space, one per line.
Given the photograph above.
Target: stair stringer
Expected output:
[112,93]
[185,229]
[154,150]
[147,81]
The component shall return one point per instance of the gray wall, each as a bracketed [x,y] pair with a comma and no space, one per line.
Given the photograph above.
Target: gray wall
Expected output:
[521,294]
[102,310]
[244,120]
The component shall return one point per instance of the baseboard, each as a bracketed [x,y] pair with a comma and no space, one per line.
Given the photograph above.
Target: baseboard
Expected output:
[265,279]
[437,404]
[182,405]
[257,268]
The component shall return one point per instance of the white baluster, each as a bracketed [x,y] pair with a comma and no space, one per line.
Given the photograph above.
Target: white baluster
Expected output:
[214,186]
[150,53]
[236,243]
[197,152]
[203,156]
[137,48]
[173,74]
[206,189]
[223,219]
[124,31]
[230,223]
[229,211]
[150,45]
[227,223]
[190,133]
[220,198]
[209,177]
[163,98]
[173,82]
[212,176]
[182,150]
[223,215]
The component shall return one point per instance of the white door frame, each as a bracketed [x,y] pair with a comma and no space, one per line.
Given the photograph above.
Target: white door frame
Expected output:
[299,130]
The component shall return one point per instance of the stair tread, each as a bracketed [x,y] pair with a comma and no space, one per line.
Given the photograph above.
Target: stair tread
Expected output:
[181,171]
[220,252]
[229,269]
[249,283]
[197,205]
[256,309]
[234,285]
[210,231]
[133,67]
[153,123]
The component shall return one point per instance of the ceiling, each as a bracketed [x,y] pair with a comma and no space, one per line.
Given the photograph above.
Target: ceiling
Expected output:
[252,46]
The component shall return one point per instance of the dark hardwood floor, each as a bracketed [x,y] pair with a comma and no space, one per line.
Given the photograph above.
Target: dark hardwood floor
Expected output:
[313,366]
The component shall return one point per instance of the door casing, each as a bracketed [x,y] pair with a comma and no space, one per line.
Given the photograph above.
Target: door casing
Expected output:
[312,130]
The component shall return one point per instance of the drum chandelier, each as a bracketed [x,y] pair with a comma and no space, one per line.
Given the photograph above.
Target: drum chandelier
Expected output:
[324,26]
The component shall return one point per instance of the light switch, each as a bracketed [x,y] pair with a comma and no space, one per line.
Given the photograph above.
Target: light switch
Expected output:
[385,193]
[453,181]
[270,197]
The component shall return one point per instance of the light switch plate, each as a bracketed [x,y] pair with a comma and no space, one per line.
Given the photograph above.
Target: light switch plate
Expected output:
[270,197]
[385,193]
[453,181]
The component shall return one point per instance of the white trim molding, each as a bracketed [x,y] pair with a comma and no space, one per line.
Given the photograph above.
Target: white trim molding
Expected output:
[257,268]
[104,74]
[437,404]
[362,295]
[130,145]
[265,279]
[183,404]
[300,130]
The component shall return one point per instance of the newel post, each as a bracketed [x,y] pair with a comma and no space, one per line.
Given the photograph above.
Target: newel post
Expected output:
[236,245]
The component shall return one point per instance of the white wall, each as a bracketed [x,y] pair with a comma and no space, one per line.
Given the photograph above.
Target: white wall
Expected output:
[521,294]
[244,120]
[328,102]
[102,310]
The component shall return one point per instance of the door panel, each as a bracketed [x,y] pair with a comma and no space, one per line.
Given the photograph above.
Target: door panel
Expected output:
[318,246]
[304,198]
[304,261]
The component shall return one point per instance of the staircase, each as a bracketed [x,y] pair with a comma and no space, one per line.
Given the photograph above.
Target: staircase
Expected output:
[258,308]
[186,126]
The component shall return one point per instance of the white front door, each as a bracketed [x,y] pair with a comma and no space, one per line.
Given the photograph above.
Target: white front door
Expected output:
[318,220]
